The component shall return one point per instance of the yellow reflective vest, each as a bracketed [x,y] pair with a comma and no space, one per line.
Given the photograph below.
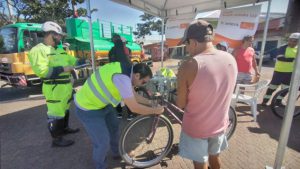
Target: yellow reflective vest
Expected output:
[99,89]
[44,58]
[286,63]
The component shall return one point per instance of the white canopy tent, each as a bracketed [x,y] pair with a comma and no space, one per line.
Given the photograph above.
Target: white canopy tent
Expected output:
[172,8]
[175,8]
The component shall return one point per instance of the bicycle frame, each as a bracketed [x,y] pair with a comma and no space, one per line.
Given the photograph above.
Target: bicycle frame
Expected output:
[170,112]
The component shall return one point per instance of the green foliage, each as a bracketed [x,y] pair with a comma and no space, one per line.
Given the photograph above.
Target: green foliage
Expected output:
[1,42]
[150,24]
[3,17]
[40,11]
[47,10]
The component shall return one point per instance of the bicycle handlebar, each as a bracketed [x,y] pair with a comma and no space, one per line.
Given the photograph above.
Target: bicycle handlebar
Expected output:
[82,66]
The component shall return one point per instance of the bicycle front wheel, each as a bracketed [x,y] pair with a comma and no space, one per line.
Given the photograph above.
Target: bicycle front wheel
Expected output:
[146,140]
[279,103]
[232,123]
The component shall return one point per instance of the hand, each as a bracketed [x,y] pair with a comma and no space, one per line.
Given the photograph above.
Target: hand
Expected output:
[159,110]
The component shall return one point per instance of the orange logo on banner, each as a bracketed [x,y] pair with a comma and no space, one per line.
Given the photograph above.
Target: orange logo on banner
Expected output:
[247,25]
[232,43]
[184,25]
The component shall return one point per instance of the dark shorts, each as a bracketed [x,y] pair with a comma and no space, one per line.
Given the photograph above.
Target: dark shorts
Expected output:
[281,78]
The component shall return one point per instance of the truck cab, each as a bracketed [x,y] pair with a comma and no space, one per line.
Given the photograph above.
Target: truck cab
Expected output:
[15,42]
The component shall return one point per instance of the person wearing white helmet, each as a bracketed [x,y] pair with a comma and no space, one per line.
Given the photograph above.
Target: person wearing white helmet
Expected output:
[284,67]
[53,65]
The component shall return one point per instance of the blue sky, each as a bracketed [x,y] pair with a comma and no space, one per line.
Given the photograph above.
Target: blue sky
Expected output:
[111,11]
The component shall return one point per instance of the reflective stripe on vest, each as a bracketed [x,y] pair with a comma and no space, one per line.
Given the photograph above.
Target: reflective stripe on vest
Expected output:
[95,92]
[104,88]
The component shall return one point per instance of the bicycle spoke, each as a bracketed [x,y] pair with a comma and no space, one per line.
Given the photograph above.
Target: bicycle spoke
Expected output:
[141,152]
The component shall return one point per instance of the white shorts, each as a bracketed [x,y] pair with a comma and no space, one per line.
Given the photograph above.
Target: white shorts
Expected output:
[198,150]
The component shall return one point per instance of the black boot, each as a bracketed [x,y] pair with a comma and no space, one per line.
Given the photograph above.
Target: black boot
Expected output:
[61,142]
[70,130]
[67,129]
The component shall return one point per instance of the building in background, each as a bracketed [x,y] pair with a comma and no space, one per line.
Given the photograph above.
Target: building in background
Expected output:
[154,50]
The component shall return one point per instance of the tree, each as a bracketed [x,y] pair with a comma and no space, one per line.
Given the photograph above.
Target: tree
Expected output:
[150,24]
[46,10]
[3,17]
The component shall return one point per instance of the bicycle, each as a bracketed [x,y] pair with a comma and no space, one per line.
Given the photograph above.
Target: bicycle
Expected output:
[279,102]
[147,139]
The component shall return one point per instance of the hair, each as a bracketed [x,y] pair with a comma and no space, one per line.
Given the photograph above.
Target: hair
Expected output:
[118,53]
[115,37]
[248,37]
[143,69]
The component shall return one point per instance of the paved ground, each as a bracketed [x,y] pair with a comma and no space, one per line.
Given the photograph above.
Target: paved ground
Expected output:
[25,141]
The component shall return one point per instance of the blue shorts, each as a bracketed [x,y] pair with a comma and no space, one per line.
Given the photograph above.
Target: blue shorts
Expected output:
[198,150]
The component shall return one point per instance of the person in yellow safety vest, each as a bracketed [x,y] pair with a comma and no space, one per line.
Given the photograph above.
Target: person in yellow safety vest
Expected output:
[101,93]
[284,67]
[166,72]
[53,65]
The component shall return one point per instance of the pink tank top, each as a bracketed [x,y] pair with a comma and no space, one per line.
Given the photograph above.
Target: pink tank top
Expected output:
[206,112]
[244,59]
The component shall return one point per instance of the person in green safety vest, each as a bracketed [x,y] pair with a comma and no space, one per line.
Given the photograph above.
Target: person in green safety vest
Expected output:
[53,65]
[101,93]
[284,67]
[166,72]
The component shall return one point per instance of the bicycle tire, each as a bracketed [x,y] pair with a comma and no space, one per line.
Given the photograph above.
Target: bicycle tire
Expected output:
[232,123]
[128,147]
[279,110]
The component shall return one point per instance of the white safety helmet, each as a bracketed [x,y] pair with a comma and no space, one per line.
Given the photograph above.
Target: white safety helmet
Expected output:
[295,35]
[52,26]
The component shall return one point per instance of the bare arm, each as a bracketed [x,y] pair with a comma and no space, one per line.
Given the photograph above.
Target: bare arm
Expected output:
[254,65]
[141,99]
[185,77]
[134,106]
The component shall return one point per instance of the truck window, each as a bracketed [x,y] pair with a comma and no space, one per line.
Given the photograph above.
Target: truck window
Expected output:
[8,40]
[31,38]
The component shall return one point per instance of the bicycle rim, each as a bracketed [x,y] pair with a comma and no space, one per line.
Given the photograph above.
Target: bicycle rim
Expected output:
[278,107]
[134,148]
[232,123]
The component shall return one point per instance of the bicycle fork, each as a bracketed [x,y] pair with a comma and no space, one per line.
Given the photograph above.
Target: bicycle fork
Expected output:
[153,130]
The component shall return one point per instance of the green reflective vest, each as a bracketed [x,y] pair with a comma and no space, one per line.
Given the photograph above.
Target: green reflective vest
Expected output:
[286,66]
[166,72]
[99,89]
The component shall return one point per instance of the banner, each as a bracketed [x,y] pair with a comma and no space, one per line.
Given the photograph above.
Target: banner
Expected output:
[235,24]
[175,28]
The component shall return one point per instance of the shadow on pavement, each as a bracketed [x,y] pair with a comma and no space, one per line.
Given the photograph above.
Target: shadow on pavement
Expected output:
[26,143]
[271,125]
[12,93]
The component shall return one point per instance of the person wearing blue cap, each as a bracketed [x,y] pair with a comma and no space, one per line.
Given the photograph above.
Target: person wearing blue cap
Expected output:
[222,46]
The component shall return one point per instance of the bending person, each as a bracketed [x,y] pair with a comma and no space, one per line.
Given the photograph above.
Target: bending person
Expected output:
[98,97]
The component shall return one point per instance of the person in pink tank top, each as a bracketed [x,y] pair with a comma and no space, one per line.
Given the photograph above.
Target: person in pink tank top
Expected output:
[245,58]
[205,85]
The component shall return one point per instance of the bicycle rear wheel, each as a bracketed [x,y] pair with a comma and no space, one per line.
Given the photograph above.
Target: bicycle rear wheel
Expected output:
[279,103]
[137,150]
[232,123]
